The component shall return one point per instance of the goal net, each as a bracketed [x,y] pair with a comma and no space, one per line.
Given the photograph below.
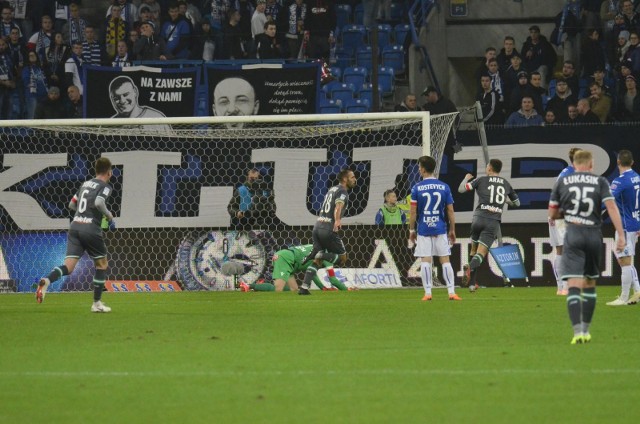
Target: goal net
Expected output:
[173,183]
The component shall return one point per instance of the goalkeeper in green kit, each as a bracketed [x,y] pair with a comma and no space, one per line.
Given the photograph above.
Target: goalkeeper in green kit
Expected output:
[286,263]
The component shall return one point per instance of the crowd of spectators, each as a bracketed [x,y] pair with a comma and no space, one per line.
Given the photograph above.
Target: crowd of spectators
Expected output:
[45,44]
[596,83]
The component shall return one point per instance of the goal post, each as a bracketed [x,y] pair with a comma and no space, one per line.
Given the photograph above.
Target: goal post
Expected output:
[173,181]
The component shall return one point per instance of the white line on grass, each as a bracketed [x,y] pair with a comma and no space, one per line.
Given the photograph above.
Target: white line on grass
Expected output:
[245,373]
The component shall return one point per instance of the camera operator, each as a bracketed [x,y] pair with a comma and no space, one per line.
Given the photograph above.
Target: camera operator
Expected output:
[252,203]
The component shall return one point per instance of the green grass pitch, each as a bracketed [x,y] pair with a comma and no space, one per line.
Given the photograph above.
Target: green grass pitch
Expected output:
[377,356]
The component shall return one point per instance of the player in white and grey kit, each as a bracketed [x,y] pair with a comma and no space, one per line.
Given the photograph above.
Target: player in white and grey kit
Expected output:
[85,234]
[327,244]
[493,192]
[578,198]
[557,229]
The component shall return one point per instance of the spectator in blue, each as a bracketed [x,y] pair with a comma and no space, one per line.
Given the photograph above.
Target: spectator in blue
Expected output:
[527,116]
[538,54]
[177,35]
[34,81]
[390,213]
[93,52]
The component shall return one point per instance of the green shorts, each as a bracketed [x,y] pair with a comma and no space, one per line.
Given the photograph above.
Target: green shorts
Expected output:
[283,262]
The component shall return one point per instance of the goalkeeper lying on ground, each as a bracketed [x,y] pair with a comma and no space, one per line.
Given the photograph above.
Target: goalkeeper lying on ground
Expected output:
[286,263]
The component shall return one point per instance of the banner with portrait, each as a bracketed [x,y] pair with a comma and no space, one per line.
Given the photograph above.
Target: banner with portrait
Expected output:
[263,89]
[140,92]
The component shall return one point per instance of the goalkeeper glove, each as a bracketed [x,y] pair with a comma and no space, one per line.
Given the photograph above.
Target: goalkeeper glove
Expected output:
[112,225]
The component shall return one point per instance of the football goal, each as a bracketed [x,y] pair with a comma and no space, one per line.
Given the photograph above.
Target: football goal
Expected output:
[173,184]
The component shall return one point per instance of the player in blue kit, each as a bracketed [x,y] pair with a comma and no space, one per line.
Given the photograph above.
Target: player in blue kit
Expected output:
[431,208]
[557,228]
[626,189]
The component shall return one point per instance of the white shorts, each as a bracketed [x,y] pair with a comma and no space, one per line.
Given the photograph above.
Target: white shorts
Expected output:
[557,228]
[432,246]
[630,248]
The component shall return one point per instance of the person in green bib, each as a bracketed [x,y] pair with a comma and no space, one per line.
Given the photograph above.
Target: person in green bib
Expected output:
[288,262]
[390,213]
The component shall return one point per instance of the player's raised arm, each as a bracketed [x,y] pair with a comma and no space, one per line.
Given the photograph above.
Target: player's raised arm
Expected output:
[73,203]
[465,185]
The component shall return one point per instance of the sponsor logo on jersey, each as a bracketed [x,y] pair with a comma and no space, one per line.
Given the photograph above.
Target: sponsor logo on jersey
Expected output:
[82,220]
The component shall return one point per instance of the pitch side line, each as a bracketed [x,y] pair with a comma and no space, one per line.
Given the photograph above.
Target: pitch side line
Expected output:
[516,371]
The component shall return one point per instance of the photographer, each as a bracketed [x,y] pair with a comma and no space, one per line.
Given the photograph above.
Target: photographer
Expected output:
[252,203]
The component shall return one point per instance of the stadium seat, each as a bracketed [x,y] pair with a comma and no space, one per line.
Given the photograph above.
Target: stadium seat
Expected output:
[353,37]
[393,57]
[400,32]
[344,58]
[356,106]
[336,72]
[358,14]
[355,75]
[343,92]
[366,93]
[397,12]
[322,96]
[330,106]
[584,88]
[384,36]
[327,88]
[552,87]
[364,58]
[386,80]
[343,12]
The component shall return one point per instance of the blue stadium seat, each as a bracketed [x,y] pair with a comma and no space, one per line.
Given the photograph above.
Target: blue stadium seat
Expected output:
[355,75]
[364,57]
[322,96]
[327,88]
[343,92]
[356,106]
[366,93]
[584,88]
[397,12]
[336,72]
[400,32]
[330,106]
[353,37]
[344,58]
[384,35]
[343,12]
[552,87]
[358,14]
[393,57]
[386,80]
